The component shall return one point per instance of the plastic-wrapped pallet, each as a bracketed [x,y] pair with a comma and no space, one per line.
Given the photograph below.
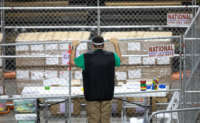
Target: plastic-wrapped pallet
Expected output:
[32,71]
[37,3]
[47,49]
[138,64]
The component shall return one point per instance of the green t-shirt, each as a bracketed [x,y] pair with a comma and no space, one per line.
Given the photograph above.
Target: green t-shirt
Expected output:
[79,61]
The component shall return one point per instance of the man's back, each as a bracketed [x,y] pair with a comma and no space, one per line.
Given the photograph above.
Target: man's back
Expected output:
[98,76]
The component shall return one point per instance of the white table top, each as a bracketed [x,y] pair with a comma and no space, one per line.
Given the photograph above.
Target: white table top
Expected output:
[121,91]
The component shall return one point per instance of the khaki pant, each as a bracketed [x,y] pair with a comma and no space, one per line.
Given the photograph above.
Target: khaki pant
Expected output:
[99,111]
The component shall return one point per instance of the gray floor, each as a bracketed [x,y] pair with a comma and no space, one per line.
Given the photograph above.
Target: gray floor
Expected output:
[9,118]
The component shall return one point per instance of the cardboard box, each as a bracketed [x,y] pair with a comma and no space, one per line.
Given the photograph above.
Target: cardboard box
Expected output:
[136,73]
[22,62]
[137,47]
[53,36]
[60,108]
[56,50]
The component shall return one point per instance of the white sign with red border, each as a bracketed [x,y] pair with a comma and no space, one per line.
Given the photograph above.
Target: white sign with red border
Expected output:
[183,19]
[163,50]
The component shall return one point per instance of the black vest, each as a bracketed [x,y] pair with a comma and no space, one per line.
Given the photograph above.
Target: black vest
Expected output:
[98,76]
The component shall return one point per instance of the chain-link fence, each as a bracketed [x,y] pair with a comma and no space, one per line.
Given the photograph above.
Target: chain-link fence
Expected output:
[41,32]
[41,64]
[185,105]
[191,68]
[108,17]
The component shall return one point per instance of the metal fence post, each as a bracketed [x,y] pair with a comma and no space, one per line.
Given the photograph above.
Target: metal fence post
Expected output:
[98,18]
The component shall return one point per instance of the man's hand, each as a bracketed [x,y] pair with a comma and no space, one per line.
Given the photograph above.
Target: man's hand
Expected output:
[75,43]
[114,41]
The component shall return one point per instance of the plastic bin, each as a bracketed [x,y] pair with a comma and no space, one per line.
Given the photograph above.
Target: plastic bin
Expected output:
[3,106]
[25,106]
[26,118]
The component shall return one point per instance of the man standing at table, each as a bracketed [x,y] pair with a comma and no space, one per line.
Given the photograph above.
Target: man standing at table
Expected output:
[98,78]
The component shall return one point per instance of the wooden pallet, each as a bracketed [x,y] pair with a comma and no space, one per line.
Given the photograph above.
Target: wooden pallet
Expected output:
[31,4]
[47,14]
[145,3]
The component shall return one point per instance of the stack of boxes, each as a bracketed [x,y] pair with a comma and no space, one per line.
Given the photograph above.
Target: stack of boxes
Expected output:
[37,3]
[32,71]
[35,67]
[137,63]
[139,66]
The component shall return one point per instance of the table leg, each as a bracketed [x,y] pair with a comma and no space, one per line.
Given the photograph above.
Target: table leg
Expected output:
[123,115]
[46,111]
[66,111]
[146,113]
[38,111]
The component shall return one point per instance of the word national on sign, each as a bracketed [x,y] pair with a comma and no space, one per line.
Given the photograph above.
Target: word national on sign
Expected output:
[165,50]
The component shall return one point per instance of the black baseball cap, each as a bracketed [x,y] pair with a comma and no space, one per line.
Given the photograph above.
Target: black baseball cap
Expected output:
[98,40]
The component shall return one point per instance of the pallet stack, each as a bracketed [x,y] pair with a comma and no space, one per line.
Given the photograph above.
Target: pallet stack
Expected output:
[140,66]
[146,2]
[33,69]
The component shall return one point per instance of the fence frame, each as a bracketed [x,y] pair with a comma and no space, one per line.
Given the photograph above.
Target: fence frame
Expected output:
[98,27]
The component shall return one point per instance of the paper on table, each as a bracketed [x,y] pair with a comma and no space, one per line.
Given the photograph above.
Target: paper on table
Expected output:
[51,46]
[163,60]
[134,59]
[37,47]
[37,75]
[22,48]
[78,75]
[148,60]
[22,74]
[65,58]
[51,74]
[121,75]
[51,61]
[134,46]
[132,74]
[55,81]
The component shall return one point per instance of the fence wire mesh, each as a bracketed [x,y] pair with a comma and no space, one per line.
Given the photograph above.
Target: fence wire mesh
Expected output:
[33,63]
[191,69]
[37,62]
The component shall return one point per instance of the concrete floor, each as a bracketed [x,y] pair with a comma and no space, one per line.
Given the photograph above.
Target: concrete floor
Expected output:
[9,118]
